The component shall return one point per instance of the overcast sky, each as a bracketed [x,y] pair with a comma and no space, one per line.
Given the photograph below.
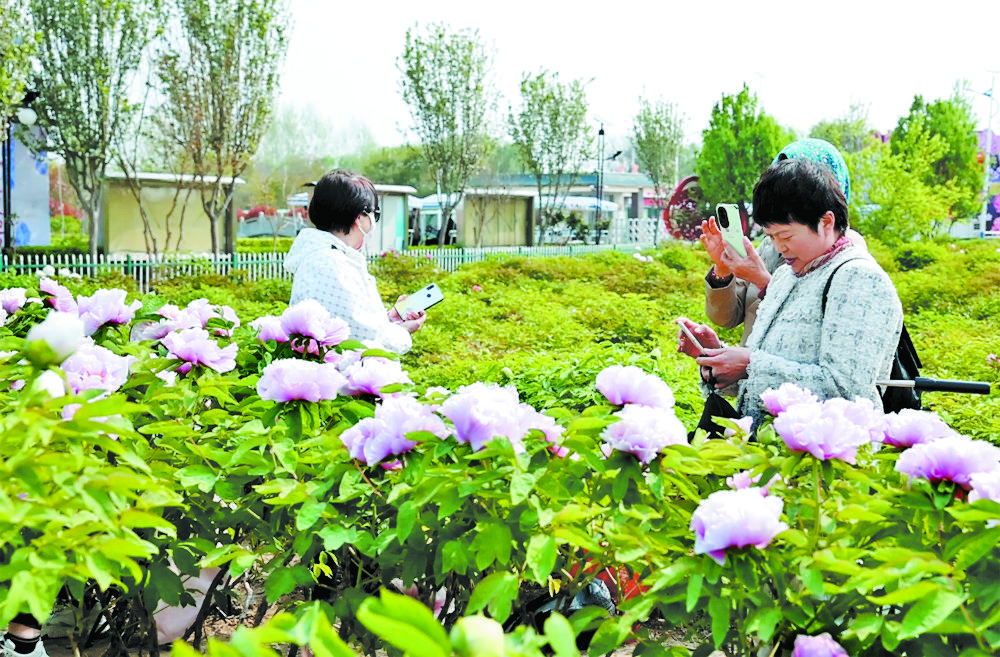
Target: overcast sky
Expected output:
[807,61]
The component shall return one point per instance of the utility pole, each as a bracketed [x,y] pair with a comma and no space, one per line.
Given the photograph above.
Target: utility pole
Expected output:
[989,151]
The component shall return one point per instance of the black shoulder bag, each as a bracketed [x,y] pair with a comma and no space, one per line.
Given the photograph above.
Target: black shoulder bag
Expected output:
[905,365]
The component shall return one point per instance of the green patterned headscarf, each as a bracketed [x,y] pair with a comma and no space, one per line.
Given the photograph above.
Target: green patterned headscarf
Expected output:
[821,151]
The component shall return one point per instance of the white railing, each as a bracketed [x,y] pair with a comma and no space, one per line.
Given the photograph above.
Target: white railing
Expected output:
[147,271]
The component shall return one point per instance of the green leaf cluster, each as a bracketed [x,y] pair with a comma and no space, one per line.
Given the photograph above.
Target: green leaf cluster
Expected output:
[129,493]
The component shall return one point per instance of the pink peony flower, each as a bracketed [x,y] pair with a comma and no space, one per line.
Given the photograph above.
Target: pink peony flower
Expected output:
[290,378]
[92,367]
[630,385]
[821,645]
[860,413]
[59,297]
[269,328]
[310,321]
[371,374]
[953,458]
[644,431]
[197,314]
[375,438]
[481,412]
[736,518]
[825,431]
[910,427]
[12,299]
[779,400]
[196,347]
[105,307]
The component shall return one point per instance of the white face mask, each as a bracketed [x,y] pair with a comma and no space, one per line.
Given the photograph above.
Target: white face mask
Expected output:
[364,233]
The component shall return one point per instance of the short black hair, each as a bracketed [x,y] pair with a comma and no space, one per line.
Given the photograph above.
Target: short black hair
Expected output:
[339,197]
[800,191]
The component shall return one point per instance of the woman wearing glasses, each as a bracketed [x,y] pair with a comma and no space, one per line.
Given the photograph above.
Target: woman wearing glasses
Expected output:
[329,265]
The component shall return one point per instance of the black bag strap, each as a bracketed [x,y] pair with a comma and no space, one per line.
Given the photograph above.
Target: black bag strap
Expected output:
[905,364]
[829,281]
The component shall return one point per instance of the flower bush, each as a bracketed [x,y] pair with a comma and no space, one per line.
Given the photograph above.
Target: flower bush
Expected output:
[280,472]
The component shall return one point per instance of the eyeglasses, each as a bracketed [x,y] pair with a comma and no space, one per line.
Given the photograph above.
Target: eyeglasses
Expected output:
[376,214]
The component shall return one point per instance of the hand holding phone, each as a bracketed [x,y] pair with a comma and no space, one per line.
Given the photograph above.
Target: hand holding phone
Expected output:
[690,336]
[727,215]
[419,301]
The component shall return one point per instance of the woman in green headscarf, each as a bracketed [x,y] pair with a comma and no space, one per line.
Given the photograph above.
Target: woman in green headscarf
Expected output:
[735,285]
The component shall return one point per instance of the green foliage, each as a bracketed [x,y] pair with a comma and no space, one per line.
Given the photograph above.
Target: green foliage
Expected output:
[264,245]
[657,135]
[919,254]
[895,203]
[204,472]
[739,143]
[551,135]
[399,165]
[956,164]
[17,45]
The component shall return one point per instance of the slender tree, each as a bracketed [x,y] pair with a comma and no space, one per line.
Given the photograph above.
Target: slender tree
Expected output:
[17,45]
[657,136]
[552,138]
[89,54]
[448,85]
[219,74]
[740,142]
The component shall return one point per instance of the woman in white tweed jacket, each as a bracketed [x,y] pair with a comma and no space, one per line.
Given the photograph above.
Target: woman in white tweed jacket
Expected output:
[839,352]
[329,264]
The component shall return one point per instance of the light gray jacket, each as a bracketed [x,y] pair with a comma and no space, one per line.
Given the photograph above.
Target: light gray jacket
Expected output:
[839,353]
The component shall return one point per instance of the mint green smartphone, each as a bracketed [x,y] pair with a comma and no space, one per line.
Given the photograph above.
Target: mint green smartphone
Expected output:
[728,217]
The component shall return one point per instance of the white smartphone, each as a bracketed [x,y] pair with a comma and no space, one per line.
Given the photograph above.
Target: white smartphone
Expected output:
[728,217]
[690,335]
[422,299]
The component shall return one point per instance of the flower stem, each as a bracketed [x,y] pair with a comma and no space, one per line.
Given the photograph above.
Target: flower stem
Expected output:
[818,485]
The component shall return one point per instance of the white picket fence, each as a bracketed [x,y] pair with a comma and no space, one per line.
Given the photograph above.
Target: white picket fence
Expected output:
[257,266]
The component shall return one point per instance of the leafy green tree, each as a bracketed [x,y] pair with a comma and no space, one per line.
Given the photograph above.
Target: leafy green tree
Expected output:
[399,165]
[447,84]
[219,73]
[740,142]
[849,133]
[657,135]
[89,54]
[17,45]
[551,135]
[951,119]
[897,198]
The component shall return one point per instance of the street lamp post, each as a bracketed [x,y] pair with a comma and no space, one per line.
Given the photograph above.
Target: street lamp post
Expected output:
[989,153]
